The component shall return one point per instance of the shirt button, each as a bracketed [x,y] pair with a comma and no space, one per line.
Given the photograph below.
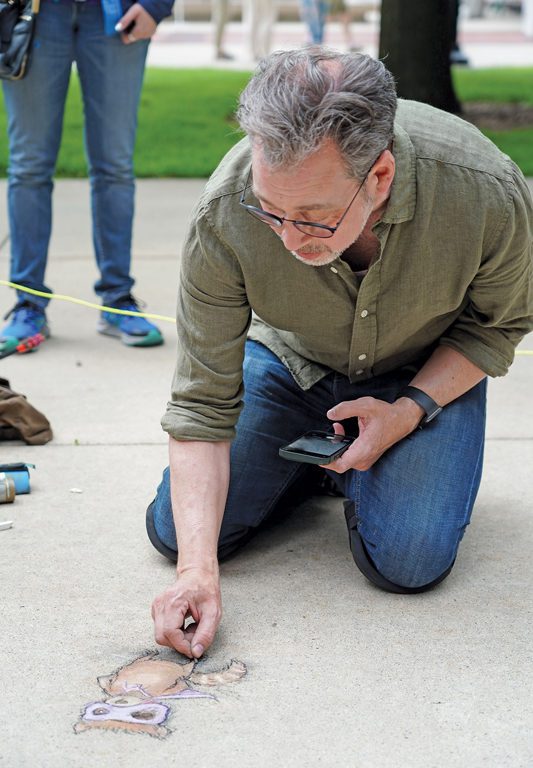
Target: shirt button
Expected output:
[359,372]
[364,313]
[333,269]
[362,357]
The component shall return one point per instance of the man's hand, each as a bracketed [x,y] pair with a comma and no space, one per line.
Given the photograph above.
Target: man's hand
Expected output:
[143,25]
[444,377]
[381,425]
[196,595]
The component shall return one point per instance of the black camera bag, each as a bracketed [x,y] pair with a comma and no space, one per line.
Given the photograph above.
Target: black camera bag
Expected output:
[17,26]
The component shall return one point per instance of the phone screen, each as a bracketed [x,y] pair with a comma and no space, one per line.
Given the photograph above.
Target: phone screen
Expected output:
[320,445]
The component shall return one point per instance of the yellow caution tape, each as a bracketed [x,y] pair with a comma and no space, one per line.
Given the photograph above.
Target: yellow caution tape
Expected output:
[89,304]
[115,311]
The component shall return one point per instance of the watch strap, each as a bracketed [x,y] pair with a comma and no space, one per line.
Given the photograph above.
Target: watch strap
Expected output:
[428,405]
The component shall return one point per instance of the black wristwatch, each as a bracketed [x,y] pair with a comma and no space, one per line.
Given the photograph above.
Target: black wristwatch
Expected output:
[428,405]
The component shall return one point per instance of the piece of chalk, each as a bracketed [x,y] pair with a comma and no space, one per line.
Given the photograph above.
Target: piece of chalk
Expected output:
[6,524]
[118,27]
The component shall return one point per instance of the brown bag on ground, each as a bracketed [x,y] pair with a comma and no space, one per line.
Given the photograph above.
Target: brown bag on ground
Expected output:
[19,420]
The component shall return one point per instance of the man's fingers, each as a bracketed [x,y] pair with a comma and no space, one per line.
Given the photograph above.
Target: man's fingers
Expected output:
[175,638]
[124,23]
[187,614]
[360,455]
[191,640]
[206,630]
[143,27]
[379,429]
[189,631]
[127,19]
[339,430]
[350,408]
[164,625]
[168,627]
[341,465]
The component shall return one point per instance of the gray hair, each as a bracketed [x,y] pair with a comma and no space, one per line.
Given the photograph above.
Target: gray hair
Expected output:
[297,99]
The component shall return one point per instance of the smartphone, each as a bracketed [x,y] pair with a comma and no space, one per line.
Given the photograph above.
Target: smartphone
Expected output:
[316,447]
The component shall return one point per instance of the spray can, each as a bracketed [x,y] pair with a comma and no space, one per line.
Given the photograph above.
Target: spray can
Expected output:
[19,473]
[7,489]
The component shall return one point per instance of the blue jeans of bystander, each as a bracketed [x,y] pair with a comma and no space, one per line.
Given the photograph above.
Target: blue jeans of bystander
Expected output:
[111,76]
[313,13]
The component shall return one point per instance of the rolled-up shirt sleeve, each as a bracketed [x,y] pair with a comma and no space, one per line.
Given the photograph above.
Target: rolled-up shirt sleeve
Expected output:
[213,316]
[500,308]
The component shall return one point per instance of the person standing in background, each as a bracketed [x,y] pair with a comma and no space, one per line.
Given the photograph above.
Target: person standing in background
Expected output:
[262,16]
[219,17]
[313,13]
[110,66]
[339,11]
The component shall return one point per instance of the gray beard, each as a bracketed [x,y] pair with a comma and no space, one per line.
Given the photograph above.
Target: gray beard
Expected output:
[329,257]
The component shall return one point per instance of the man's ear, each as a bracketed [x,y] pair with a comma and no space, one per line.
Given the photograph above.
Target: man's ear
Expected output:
[382,174]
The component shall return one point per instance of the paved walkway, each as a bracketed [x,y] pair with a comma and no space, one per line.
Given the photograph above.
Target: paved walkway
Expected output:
[339,673]
[490,42]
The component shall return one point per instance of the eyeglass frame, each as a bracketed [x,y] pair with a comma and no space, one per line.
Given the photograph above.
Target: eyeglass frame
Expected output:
[278,221]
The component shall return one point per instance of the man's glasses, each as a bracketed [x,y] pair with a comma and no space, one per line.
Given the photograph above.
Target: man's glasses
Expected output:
[312,228]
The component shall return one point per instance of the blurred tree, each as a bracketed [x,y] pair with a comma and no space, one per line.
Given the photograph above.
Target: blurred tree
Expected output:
[415,42]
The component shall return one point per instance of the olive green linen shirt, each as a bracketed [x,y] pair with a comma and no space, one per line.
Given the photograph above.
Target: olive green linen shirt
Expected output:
[454,268]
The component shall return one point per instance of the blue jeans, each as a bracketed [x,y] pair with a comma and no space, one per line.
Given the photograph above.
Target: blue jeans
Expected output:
[313,13]
[411,508]
[111,76]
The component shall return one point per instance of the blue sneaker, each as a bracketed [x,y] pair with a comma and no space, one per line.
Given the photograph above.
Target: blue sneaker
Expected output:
[132,331]
[27,319]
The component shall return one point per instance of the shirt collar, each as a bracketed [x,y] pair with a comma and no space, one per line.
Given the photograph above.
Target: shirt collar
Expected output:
[402,200]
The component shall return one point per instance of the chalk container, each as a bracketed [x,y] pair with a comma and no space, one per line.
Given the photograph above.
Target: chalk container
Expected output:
[7,489]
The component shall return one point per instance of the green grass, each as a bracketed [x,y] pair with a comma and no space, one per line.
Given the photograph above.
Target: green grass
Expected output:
[186,119]
[494,84]
[186,124]
[518,144]
[502,85]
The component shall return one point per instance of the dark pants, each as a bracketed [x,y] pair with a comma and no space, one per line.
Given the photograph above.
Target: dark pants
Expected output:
[406,515]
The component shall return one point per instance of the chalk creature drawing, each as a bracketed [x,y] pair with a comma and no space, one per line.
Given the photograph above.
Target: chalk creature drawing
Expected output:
[138,693]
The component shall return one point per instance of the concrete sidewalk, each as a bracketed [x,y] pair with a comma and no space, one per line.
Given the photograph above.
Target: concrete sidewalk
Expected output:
[338,673]
[495,41]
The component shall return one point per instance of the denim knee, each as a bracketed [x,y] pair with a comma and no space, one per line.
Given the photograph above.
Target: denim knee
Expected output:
[412,568]
[409,566]
[104,174]
[31,172]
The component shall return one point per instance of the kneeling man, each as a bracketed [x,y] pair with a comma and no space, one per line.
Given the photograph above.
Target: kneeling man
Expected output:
[354,260]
